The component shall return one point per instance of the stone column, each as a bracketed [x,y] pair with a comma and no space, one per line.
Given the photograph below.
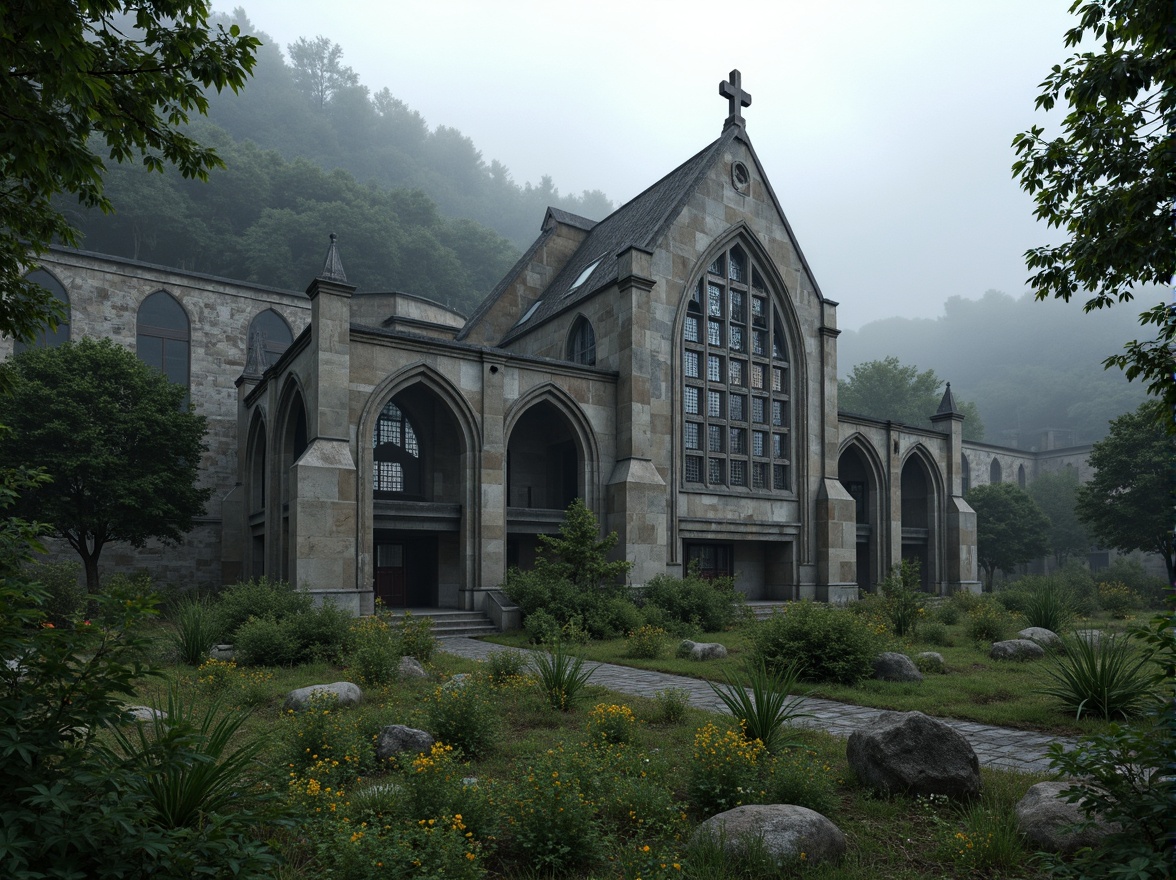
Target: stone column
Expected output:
[960,565]
[836,511]
[323,508]
[636,491]
[488,568]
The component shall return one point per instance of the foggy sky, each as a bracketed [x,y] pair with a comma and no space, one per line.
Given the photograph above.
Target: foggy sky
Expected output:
[884,127]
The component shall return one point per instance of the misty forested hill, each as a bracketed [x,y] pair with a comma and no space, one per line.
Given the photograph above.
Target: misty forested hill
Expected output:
[309,150]
[1027,365]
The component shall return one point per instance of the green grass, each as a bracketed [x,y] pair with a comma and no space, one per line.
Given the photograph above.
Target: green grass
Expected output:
[975,687]
[889,838]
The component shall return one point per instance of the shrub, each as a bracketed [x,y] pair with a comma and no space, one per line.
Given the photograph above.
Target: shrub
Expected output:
[646,642]
[505,665]
[611,723]
[1117,599]
[988,621]
[671,705]
[265,641]
[325,746]
[1124,777]
[261,597]
[65,594]
[827,643]
[1011,597]
[71,806]
[541,628]
[935,633]
[694,601]
[948,612]
[965,600]
[726,770]
[764,711]
[321,632]
[1075,576]
[1151,589]
[372,651]
[1106,677]
[431,849]
[463,713]
[552,824]
[238,687]
[416,637]
[903,604]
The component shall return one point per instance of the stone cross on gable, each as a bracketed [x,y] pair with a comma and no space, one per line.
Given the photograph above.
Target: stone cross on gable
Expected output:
[737,99]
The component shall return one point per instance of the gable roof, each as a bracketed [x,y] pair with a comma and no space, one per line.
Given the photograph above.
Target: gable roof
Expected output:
[641,222]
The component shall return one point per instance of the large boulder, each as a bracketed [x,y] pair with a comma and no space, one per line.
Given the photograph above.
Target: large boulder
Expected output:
[410,667]
[221,652]
[1047,638]
[701,650]
[1048,820]
[345,693]
[907,752]
[1016,649]
[892,666]
[145,714]
[397,739]
[788,832]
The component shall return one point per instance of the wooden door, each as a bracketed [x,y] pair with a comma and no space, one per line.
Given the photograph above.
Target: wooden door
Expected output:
[391,582]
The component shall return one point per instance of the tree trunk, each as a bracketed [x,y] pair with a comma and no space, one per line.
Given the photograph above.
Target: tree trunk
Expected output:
[90,563]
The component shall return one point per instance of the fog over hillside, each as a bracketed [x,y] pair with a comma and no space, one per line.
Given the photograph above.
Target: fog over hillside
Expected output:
[1027,365]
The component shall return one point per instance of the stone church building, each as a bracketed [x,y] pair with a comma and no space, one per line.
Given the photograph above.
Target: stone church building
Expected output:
[674,365]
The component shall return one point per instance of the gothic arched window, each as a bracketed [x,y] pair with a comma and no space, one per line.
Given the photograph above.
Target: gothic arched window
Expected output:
[162,336]
[736,414]
[47,338]
[582,343]
[396,454]
[269,336]
[966,474]
[994,474]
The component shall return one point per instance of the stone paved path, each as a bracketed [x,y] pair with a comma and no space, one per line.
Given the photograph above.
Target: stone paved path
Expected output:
[999,747]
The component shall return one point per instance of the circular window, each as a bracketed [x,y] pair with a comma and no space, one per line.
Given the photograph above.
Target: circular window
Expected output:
[740,176]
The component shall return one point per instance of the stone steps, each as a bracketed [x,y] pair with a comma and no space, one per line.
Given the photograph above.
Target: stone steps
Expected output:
[452,622]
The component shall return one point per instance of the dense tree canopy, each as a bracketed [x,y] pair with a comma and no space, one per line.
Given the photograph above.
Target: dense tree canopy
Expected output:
[86,77]
[1056,493]
[1010,528]
[116,440]
[1128,503]
[1108,180]
[888,389]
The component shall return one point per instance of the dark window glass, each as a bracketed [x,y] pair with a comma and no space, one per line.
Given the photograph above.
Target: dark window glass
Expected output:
[162,337]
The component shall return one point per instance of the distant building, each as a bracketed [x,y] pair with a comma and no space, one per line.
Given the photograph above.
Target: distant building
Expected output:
[674,365]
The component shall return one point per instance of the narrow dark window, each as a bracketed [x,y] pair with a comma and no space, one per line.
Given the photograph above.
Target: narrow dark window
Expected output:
[163,339]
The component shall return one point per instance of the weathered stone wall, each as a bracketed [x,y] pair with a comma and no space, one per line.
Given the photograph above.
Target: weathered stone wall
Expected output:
[105,295]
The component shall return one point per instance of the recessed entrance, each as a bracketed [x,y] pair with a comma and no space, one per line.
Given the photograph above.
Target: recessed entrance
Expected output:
[406,571]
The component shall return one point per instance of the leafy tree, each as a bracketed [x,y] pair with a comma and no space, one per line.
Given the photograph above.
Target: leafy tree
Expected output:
[1056,493]
[1109,179]
[80,80]
[888,389]
[120,452]
[318,71]
[577,554]
[1010,528]
[1128,503]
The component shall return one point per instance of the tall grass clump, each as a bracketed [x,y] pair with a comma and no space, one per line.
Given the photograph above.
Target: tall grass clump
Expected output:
[562,674]
[825,642]
[194,631]
[1048,603]
[1107,677]
[759,700]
